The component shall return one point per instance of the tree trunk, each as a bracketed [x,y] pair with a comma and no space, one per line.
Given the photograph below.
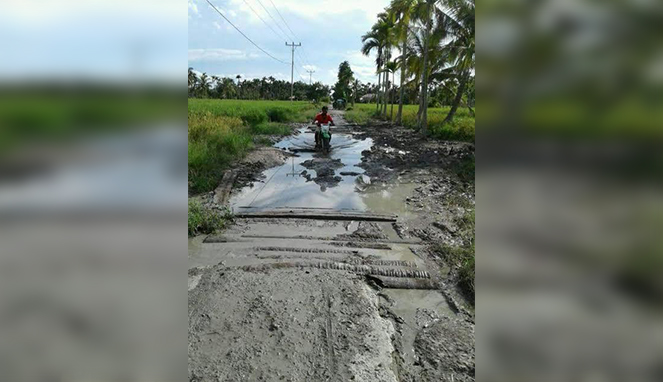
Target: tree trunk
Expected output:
[386,94]
[457,99]
[399,116]
[377,102]
[423,123]
[393,80]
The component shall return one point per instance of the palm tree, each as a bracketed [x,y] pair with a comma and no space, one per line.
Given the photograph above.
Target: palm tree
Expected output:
[379,39]
[216,82]
[458,17]
[192,80]
[391,67]
[425,14]
[371,41]
[203,89]
[402,11]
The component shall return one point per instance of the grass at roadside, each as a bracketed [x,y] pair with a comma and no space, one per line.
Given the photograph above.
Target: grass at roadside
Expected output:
[221,131]
[460,259]
[204,220]
[40,116]
[254,113]
[460,129]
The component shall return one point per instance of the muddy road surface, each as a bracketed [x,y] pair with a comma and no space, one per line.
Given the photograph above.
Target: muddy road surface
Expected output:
[326,273]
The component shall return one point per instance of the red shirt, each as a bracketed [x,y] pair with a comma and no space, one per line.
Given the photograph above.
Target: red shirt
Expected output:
[323,119]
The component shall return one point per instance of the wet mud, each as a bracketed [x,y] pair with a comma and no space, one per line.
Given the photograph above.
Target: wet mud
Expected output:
[320,300]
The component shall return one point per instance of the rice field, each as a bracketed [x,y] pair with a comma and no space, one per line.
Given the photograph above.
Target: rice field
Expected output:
[221,131]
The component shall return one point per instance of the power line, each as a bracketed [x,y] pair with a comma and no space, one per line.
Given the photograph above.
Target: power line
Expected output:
[298,73]
[273,19]
[280,34]
[303,60]
[263,20]
[295,37]
[285,22]
[283,33]
[242,33]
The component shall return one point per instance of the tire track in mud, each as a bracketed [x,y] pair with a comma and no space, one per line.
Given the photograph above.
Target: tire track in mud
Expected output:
[329,334]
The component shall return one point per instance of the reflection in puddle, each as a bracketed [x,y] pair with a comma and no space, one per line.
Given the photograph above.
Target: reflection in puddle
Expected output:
[311,180]
[314,180]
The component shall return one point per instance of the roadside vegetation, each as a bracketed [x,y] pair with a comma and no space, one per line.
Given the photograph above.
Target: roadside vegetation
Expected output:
[461,128]
[221,131]
[460,258]
[203,220]
[436,43]
[50,114]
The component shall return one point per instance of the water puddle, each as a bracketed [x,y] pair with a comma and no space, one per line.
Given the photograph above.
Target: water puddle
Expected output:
[317,180]
[418,309]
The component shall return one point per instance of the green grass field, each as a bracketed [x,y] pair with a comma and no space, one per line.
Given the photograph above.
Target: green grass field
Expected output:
[461,128]
[40,117]
[221,131]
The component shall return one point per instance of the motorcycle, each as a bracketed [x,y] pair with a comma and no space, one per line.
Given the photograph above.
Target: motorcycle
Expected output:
[324,135]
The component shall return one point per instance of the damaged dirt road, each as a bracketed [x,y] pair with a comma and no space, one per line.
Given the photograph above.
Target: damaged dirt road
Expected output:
[326,273]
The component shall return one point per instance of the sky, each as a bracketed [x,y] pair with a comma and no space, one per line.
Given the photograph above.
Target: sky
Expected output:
[329,30]
[98,39]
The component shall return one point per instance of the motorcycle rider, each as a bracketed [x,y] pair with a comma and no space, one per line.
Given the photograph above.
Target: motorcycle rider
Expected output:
[321,119]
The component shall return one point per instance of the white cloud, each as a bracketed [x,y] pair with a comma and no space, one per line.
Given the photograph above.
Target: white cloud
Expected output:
[357,58]
[219,55]
[317,9]
[193,8]
[310,67]
[217,25]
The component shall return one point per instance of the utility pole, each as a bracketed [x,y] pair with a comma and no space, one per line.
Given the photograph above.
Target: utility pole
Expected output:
[292,69]
[310,73]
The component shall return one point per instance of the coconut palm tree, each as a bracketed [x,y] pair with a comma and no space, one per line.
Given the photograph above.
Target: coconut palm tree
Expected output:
[192,81]
[238,77]
[391,67]
[371,41]
[457,17]
[402,11]
[424,11]
[203,88]
[379,38]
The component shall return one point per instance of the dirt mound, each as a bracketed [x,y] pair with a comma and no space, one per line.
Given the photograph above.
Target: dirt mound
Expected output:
[286,325]
[446,350]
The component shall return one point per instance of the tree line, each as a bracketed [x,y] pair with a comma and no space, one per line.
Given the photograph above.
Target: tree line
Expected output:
[435,39]
[266,88]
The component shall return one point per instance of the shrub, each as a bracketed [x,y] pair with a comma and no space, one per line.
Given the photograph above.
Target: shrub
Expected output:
[254,116]
[204,220]
[277,115]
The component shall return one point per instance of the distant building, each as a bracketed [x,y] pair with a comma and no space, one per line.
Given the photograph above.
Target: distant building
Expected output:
[367,98]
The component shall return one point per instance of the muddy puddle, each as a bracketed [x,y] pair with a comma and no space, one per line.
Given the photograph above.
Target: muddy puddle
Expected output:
[326,181]
[418,309]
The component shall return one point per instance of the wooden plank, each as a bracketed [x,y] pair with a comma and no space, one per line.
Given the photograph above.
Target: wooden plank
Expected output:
[222,193]
[348,242]
[316,215]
